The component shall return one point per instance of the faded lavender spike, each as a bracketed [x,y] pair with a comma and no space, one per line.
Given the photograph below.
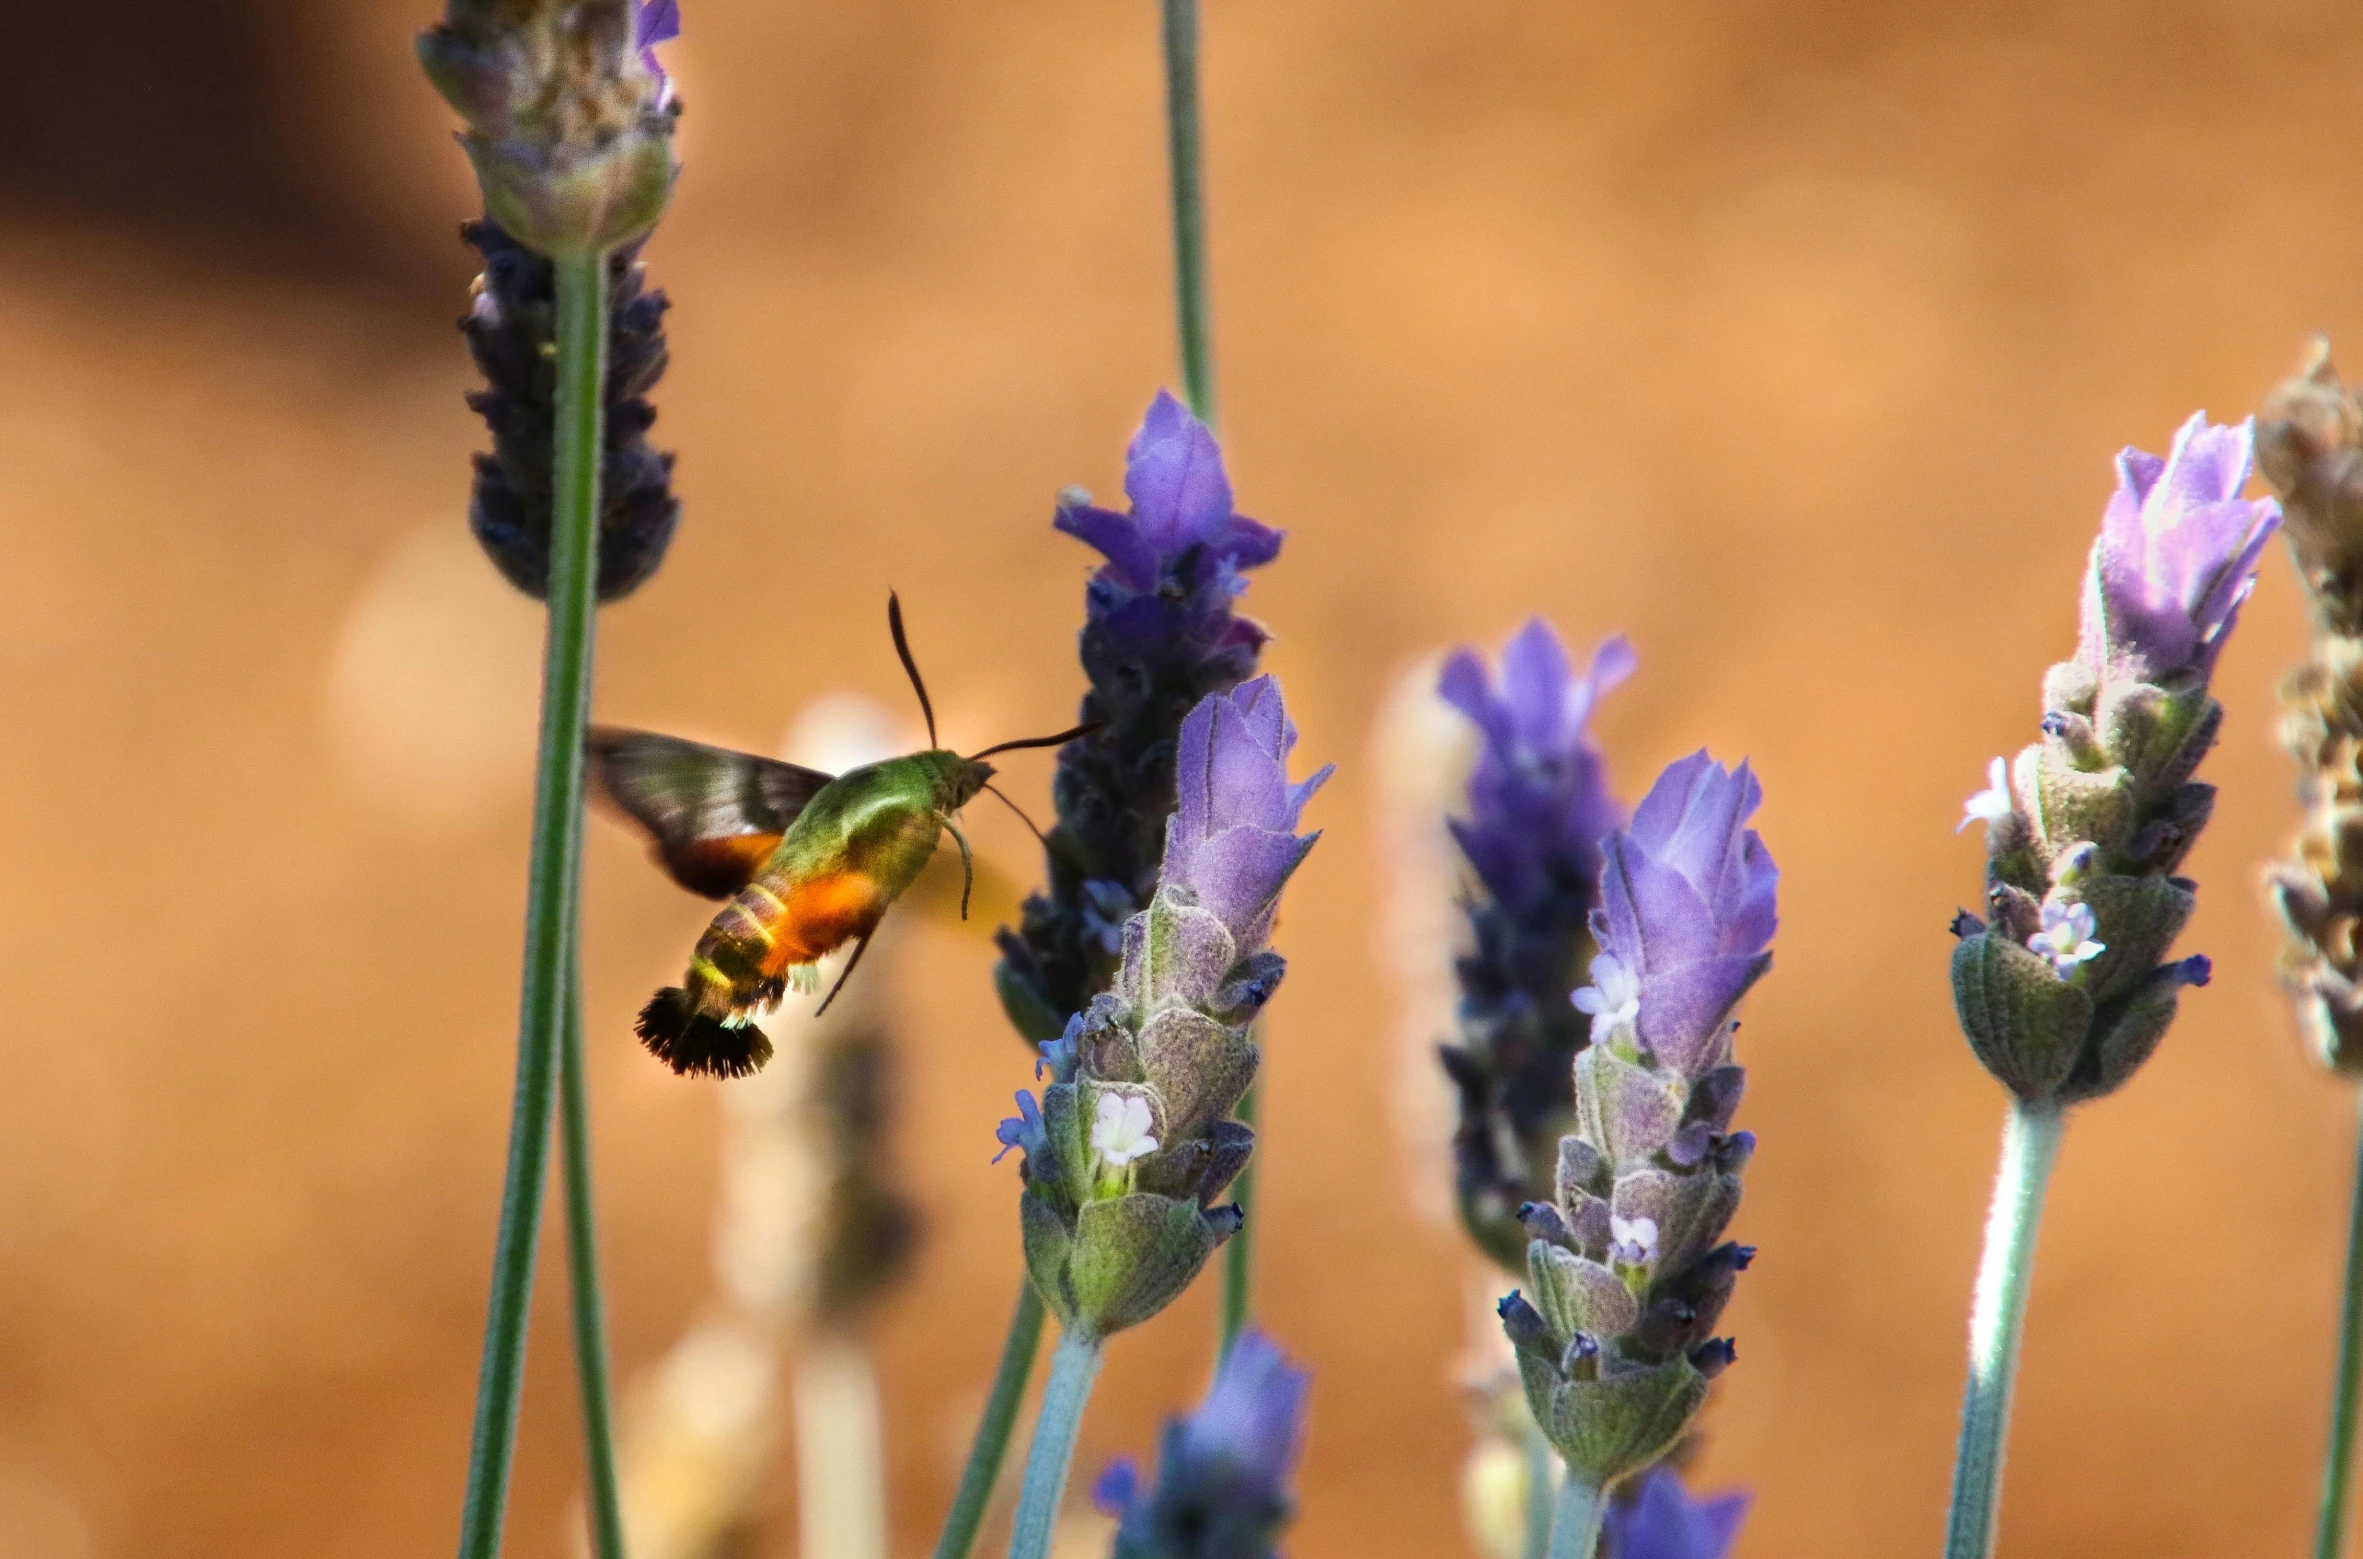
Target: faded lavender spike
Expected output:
[570,121]
[1538,804]
[1627,1263]
[2309,443]
[2063,989]
[512,333]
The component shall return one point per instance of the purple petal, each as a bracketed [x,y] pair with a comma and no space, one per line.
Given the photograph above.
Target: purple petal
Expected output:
[1117,1486]
[659,22]
[1174,477]
[1663,1522]
[1683,1009]
[1535,682]
[1127,548]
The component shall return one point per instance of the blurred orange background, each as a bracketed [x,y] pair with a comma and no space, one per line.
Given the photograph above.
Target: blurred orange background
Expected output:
[1793,340]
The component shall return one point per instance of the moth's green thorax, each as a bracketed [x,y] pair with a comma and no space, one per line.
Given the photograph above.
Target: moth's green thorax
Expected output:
[881,821]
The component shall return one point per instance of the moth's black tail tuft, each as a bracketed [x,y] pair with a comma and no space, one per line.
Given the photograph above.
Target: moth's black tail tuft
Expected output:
[695,1044]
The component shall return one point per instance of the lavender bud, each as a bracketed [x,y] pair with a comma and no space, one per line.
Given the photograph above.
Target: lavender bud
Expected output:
[2064,994]
[512,334]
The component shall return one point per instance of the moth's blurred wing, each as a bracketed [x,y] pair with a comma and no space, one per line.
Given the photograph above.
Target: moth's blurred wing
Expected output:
[714,816]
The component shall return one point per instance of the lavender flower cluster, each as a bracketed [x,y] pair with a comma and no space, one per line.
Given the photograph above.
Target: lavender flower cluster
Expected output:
[2063,988]
[1159,635]
[1628,1264]
[1133,1140]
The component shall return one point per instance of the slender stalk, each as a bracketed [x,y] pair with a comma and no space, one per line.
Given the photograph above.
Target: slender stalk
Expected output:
[840,1473]
[991,1445]
[1185,153]
[1542,1479]
[2338,1467]
[1575,1523]
[1074,1365]
[549,895]
[1998,1316]
[1239,1249]
[582,1268]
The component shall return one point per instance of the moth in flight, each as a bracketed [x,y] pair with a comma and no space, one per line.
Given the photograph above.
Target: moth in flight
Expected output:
[808,862]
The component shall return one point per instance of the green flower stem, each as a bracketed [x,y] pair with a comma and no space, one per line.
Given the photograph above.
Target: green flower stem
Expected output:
[1575,1523]
[582,1266]
[1542,1478]
[1239,1249]
[1074,1365]
[2030,1142]
[550,892]
[991,1445]
[2338,1467]
[1185,152]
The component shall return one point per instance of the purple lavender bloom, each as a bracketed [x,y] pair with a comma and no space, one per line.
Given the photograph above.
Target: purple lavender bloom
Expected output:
[1222,1472]
[658,21]
[1686,914]
[1181,503]
[1662,1521]
[2177,555]
[1538,805]
[1159,635]
[1232,840]
[1538,798]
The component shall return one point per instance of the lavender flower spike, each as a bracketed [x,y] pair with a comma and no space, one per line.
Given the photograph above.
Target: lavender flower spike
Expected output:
[1538,804]
[2176,557]
[1159,634]
[2063,988]
[1134,1140]
[1628,1264]
[1223,1471]
[1662,1521]
[1232,840]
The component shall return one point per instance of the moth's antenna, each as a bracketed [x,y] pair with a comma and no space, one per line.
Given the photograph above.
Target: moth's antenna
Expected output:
[902,647]
[1020,811]
[1060,740]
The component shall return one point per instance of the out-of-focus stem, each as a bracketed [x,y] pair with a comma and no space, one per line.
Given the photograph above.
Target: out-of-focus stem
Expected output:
[582,1264]
[1074,1365]
[1239,1249]
[1542,1476]
[2338,1467]
[2030,1142]
[840,1470]
[550,890]
[1575,1523]
[1185,153]
[991,1445]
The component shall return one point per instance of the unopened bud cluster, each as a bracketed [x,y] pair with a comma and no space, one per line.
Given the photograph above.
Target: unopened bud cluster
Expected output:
[2309,443]
[2063,987]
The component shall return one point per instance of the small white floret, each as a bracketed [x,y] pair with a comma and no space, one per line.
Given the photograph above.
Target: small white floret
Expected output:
[1613,999]
[2066,938]
[1633,1241]
[1120,1129]
[1992,804]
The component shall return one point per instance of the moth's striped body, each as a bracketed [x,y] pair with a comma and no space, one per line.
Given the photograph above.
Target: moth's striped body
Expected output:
[851,852]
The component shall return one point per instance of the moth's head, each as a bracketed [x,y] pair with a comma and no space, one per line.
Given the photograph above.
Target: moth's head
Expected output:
[968,777]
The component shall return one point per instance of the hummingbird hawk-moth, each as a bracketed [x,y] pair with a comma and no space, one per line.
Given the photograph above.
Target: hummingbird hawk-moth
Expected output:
[807,861]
